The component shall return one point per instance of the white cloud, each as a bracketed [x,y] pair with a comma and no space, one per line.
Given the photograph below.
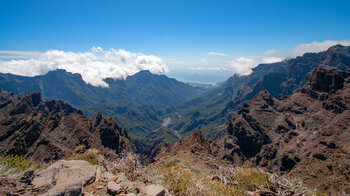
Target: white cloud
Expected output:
[316,47]
[244,65]
[271,59]
[216,53]
[96,49]
[94,65]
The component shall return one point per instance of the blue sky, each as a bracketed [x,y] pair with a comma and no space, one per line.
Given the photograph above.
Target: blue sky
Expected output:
[181,32]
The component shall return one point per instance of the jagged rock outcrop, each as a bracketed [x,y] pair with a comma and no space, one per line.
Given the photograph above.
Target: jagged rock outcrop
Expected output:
[194,149]
[46,131]
[194,143]
[305,135]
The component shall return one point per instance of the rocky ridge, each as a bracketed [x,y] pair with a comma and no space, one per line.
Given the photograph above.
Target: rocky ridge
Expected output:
[304,135]
[194,149]
[47,131]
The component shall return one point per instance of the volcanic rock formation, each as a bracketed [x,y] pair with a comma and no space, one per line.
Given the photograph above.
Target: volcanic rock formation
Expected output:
[45,131]
[305,135]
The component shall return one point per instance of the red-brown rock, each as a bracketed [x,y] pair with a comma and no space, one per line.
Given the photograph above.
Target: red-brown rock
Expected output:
[46,131]
[305,135]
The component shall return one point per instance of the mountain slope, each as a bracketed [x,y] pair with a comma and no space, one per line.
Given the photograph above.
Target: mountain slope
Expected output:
[143,88]
[139,101]
[45,131]
[210,112]
[305,135]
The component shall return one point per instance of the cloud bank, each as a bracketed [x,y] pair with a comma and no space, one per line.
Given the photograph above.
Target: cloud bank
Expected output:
[97,64]
[94,65]
[316,47]
[243,65]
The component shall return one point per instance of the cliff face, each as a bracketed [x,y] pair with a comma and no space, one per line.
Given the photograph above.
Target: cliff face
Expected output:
[45,131]
[305,135]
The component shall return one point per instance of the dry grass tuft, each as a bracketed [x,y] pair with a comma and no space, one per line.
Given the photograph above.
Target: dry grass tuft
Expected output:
[128,163]
[19,163]
[92,155]
[11,170]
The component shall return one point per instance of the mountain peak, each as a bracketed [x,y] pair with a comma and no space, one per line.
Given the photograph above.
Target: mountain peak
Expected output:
[336,47]
[58,72]
[194,143]
[62,73]
[144,73]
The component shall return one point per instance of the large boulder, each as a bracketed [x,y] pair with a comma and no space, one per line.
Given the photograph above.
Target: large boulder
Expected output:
[65,178]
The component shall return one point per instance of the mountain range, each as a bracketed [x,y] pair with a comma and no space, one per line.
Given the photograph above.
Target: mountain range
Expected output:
[142,102]
[289,118]
[210,112]
[143,98]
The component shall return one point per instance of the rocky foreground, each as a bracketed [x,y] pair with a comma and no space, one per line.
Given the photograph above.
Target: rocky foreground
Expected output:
[189,168]
[80,177]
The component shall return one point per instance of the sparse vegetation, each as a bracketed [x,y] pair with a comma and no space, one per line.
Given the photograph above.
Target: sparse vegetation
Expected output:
[19,163]
[128,163]
[228,180]
[250,178]
[80,148]
[12,167]
[91,155]
[187,181]
[171,163]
